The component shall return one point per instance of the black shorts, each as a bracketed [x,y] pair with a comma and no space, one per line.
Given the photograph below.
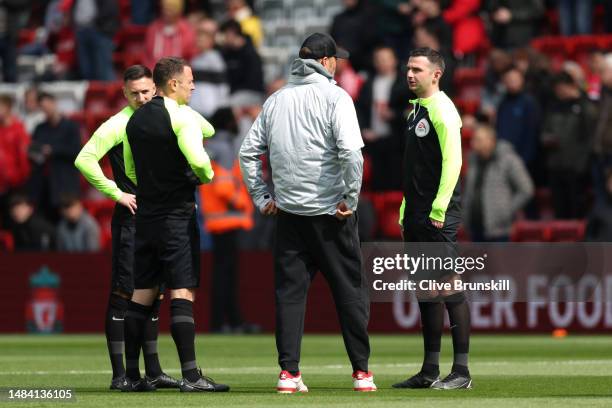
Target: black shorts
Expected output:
[122,274]
[424,239]
[167,250]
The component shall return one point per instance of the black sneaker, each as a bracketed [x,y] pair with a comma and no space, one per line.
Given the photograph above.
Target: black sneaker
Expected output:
[454,381]
[119,383]
[419,380]
[163,381]
[140,385]
[204,384]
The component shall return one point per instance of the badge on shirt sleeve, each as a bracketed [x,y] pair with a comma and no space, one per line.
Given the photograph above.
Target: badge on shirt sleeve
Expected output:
[422,128]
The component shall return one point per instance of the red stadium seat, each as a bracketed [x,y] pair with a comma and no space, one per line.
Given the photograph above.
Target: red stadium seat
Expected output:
[96,97]
[7,243]
[530,231]
[468,83]
[567,231]
[94,119]
[580,47]
[556,48]
[132,38]
[102,211]
[106,239]
[125,11]
[466,106]
[116,100]
[388,214]
[79,117]
[26,36]
[543,197]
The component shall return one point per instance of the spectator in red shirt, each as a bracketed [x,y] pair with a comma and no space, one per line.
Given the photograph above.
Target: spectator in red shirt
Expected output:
[14,141]
[468,29]
[169,35]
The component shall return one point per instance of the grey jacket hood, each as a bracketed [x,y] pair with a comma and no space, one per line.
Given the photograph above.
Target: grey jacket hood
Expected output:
[302,69]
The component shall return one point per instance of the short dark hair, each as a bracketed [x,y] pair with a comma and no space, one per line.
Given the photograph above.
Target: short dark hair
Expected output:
[45,95]
[433,29]
[136,72]
[7,100]
[166,68]
[432,56]
[510,68]
[563,78]
[231,25]
[18,198]
[67,200]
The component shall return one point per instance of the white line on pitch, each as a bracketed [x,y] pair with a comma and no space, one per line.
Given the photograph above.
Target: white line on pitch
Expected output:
[317,367]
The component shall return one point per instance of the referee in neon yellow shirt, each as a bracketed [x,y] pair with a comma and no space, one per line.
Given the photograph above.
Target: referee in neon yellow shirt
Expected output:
[108,140]
[430,212]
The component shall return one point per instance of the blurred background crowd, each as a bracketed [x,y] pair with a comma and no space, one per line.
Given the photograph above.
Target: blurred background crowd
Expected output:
[531,78]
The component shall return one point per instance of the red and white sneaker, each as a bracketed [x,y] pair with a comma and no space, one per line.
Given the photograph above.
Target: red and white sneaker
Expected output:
[363,381]
[289,384]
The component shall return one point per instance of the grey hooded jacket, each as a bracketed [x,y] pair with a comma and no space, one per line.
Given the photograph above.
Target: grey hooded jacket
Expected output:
[310,130]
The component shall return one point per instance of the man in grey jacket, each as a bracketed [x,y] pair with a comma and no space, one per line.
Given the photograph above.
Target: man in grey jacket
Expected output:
[309,129]
[497,186]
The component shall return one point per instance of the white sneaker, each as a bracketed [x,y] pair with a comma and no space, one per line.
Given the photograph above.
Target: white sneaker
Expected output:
[288,384]
[363,381]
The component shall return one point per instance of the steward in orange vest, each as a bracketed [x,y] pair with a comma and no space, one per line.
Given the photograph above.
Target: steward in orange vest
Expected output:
[227,209]
[226,203]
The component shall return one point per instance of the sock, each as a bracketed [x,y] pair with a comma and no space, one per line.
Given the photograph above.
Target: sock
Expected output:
[459,318]
[149,346]
[135,319]
[432,322]
[113,329]
[183,334]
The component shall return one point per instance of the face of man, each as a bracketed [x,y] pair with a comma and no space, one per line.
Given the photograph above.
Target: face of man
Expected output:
[422,75]
[139,91]
[49,107]
[21,212]
[73,212]
[384,61]
[483,142]
[566,92]
[183,86]
[205,39]
[513,81]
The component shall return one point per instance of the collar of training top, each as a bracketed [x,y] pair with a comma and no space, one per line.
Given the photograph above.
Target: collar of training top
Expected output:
[427,101]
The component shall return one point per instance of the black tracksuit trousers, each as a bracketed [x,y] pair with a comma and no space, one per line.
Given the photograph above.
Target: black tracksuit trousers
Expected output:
[303,246]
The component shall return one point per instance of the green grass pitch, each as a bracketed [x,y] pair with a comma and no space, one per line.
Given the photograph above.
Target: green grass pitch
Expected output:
[516,371]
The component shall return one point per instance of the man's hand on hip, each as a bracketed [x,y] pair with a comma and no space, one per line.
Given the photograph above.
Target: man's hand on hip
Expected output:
[436,223]
[270,208]
[129,201]
[342,211]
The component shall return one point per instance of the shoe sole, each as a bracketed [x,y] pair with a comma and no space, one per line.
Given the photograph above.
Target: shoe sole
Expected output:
[366,389]
[289,391]
[165,387]
[199,390]
[467,386]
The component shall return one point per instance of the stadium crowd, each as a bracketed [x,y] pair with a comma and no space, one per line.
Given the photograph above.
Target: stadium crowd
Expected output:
[533,81]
